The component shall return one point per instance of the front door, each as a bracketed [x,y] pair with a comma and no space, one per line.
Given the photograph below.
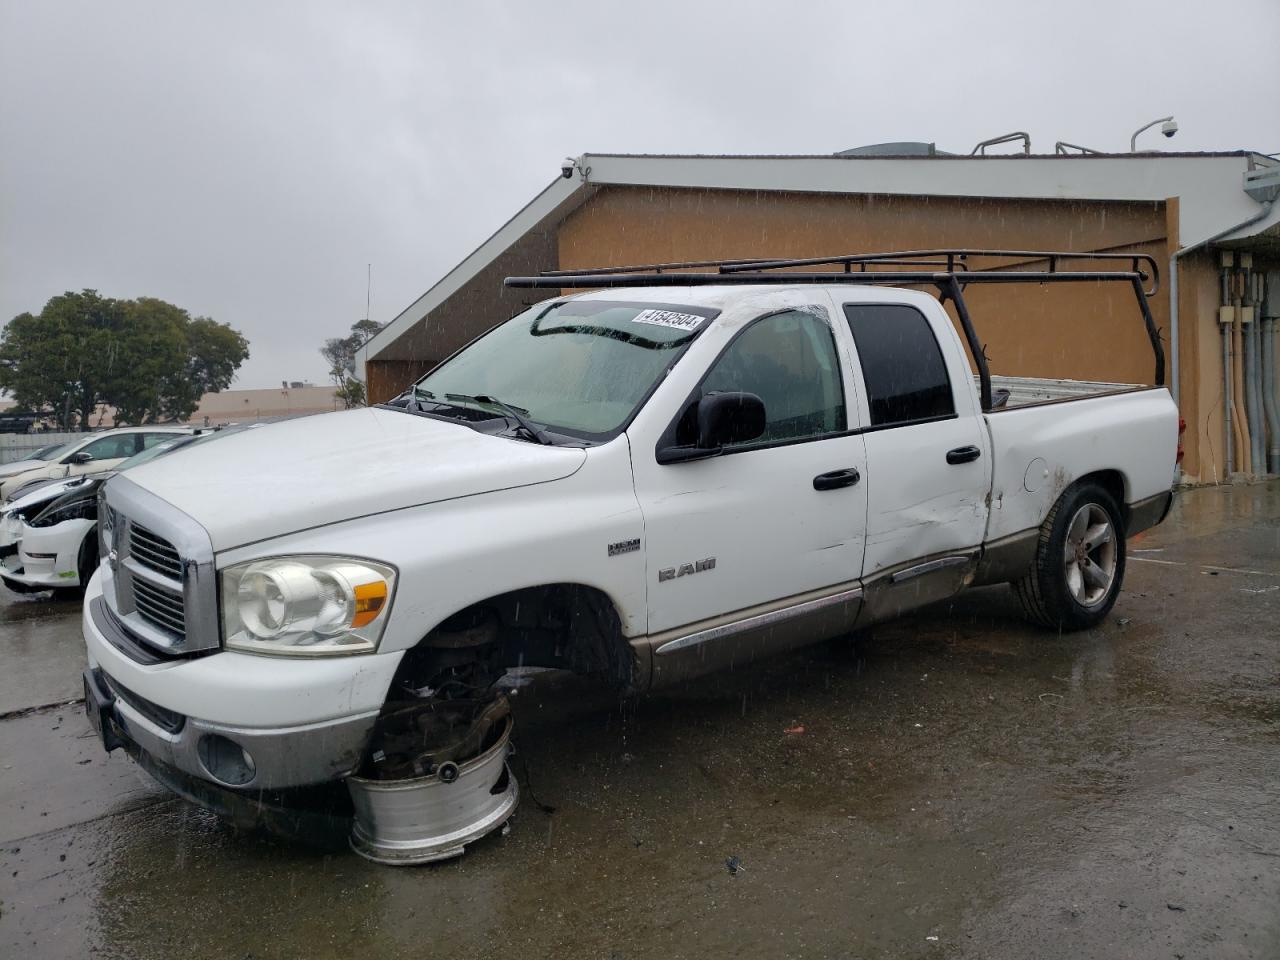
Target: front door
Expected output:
[105,453]
[770,524]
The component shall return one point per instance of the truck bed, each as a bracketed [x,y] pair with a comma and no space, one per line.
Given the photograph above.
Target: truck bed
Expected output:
[1029,390]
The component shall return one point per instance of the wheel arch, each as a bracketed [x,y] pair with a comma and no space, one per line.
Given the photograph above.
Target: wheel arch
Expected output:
[1112,480]
[1115,483]
[562,624]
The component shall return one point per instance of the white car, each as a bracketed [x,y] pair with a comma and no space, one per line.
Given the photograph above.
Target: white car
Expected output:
[24,507]
[37,459]
[668,475]
[48,536]
[96,453]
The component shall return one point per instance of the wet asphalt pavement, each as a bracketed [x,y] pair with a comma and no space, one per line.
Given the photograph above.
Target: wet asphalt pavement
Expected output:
[965,786]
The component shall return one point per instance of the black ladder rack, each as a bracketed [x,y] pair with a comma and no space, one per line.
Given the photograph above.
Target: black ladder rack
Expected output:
[950,271]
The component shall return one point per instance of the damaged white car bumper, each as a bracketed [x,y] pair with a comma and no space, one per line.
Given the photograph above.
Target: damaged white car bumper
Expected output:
[49,557]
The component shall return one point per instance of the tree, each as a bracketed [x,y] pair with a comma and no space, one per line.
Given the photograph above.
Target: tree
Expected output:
[147,358]
[340,354]
[61,359]
[351,393]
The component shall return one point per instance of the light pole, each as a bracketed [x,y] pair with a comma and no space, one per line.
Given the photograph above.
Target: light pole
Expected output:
[1169,128]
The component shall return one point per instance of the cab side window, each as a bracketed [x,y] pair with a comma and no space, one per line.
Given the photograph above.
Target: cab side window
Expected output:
[902,364]
[789,360]
[149,440]
[113,448]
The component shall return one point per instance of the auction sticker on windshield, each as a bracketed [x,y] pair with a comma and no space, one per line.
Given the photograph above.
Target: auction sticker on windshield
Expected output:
[668,318]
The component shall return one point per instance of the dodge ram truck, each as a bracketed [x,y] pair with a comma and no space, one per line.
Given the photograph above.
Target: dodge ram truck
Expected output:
[654,474]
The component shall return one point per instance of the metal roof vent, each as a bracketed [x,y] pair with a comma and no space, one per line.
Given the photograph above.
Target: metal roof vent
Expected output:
[900,148]
[1263,184]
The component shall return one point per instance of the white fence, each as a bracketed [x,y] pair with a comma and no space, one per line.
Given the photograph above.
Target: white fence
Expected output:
[16,446]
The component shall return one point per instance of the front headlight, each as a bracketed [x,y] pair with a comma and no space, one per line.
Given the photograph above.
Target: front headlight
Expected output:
[70,506]
[306,606]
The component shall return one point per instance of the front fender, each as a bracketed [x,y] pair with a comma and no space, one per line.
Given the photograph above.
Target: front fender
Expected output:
[452,554]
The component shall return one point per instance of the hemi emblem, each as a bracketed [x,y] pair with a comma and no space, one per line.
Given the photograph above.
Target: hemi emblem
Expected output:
[686,569]
[624,546]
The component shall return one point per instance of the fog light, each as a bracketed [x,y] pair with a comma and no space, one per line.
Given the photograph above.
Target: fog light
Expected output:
[225,760]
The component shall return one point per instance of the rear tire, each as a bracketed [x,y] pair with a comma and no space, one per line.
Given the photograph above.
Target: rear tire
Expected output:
[1079,565]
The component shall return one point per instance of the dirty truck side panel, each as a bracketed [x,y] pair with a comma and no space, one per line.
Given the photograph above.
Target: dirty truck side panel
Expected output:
[1042,450]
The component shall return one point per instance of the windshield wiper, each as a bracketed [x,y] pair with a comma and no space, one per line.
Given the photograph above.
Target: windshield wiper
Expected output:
[537,433]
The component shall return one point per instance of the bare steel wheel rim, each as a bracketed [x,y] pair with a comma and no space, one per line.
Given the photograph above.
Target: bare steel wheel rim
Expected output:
[1089,555]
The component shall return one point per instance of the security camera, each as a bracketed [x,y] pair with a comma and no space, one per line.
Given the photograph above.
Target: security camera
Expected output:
[567,167]
[1169,128]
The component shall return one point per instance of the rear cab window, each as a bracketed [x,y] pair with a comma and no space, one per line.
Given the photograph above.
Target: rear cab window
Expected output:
[902,364]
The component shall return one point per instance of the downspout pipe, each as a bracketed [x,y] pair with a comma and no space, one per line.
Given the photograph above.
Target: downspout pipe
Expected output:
[1249,342]
[1175,381]
[1256,294]
[1225,313]
[1270,307]
[1244,450]
[1175,351]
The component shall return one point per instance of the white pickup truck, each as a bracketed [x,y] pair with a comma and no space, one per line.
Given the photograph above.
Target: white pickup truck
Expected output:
[662,476]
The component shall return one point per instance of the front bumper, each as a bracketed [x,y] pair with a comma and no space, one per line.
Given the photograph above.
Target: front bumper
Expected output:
[48,557]
[301,722]
[277,759]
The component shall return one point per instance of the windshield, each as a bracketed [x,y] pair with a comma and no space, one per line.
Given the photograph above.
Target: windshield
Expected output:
[164,446]
[579,367]
[179,441]
[50,453]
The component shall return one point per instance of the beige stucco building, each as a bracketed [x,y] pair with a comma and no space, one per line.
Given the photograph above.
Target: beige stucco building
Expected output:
[243,406]
[1186,210]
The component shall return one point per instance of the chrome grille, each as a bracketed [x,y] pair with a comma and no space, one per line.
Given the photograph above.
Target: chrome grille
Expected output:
[159,579]
[154,552]
[159,607]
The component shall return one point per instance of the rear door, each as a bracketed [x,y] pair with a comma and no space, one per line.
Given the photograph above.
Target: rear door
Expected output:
[770,519]
[928,453]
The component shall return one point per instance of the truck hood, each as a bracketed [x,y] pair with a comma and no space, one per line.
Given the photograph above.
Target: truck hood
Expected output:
[292,476]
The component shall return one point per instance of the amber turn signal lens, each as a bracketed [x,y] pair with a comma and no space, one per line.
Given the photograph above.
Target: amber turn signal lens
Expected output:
[370,599]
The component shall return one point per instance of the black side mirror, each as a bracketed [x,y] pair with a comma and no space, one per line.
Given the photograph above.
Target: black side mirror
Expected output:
[79,458]
[729,418]
[720,418]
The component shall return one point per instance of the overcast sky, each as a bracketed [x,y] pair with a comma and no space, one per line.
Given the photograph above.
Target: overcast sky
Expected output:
[245,162]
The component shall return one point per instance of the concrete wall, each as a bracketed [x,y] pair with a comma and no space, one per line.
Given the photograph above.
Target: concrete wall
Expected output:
[19,446]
